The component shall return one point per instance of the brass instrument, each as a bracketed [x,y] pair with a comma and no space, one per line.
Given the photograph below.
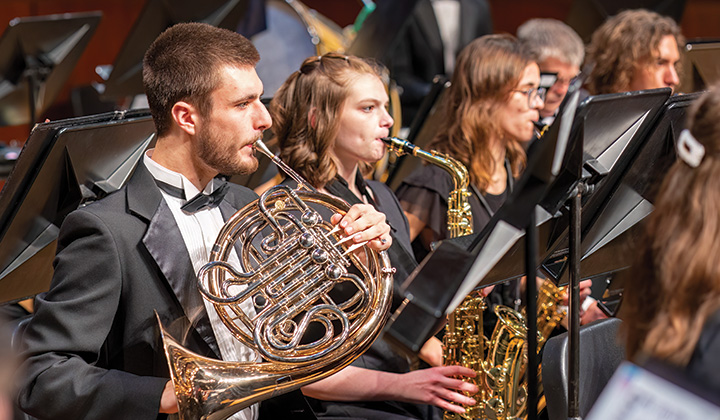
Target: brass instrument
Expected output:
[501,361]
[549,315]
[317,307]
[325,34]
[549,311]
[459,212]
[540,128]
[463,343]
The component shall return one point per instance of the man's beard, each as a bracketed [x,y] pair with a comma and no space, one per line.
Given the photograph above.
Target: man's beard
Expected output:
[225,160]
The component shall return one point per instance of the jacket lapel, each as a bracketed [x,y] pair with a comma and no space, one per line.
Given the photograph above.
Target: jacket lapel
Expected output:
[469,11]
[428,24]
[165,244]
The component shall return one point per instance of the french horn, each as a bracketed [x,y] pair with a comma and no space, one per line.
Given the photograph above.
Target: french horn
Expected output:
[318,302]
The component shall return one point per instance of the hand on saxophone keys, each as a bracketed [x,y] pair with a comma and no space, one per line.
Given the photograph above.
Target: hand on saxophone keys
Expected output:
[364,225]
[439,386]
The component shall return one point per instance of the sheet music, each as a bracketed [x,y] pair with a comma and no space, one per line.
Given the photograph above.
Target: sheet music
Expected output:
[634,393]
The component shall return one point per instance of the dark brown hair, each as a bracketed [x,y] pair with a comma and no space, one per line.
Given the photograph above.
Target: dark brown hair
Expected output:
[183,64]
[625,42]
[323,84]
[676,279]
[487,71]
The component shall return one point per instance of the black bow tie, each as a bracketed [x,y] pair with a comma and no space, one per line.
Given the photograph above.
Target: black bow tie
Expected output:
[200,201]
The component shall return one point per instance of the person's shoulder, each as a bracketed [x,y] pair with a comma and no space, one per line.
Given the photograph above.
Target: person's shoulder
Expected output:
[242,195]
[111,203]
[377,185]
[430,177]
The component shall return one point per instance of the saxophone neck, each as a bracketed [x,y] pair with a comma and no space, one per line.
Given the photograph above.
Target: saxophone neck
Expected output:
[456,169]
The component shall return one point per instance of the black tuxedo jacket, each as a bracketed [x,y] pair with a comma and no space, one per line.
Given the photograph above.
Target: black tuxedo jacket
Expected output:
[92,348]
[418,54]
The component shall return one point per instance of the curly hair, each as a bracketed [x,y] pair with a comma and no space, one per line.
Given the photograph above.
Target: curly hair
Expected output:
[322,84]
[676,277]
[486,72]
[183,63]
[625,42]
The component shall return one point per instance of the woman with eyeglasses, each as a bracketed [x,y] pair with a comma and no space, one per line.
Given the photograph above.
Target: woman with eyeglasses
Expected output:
[489,110]
[329,118]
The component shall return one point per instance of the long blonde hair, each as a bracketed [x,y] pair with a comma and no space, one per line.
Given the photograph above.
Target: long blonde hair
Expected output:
[676,285]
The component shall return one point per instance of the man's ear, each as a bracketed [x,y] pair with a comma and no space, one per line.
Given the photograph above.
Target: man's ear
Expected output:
[186,116]
[312,117]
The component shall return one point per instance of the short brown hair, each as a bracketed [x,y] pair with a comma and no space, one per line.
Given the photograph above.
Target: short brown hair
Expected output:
[675,285]
[623,43]
[486,72]
[183,64]
[322,83]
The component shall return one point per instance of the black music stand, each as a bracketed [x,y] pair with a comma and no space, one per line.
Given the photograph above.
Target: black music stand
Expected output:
[607,132]
[63,165]
[124,77]
[702,65]
[380,30]
[612,133]
[607,246]
[432,291]
[37,55]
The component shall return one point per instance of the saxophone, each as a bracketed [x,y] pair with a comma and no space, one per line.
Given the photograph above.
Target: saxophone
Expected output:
[459,211]
[464,343]
[500,362]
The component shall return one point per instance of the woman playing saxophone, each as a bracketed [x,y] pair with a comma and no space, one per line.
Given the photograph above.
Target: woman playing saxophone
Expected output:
[489,112]
[329,119]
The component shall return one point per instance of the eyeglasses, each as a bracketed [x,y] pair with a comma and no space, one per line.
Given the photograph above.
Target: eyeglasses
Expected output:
[533,94]
[311,64]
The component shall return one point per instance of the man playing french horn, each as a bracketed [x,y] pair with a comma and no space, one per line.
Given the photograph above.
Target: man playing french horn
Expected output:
[92,349]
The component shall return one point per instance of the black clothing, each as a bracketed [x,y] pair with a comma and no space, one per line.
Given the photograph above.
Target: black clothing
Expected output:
[92,346]
[425,194]
[380,356]
[704,365]
[418,54]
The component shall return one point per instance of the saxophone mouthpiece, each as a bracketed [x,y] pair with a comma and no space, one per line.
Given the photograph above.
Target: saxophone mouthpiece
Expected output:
[399,146]
[540,128]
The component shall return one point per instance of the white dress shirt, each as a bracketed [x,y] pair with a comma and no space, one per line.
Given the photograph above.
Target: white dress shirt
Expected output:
[199,232]
[447,14]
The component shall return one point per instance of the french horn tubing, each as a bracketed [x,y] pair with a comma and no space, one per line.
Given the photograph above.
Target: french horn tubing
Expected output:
[316,305]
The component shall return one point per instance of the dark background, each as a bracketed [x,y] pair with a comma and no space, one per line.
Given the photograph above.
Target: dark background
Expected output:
[700,20]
